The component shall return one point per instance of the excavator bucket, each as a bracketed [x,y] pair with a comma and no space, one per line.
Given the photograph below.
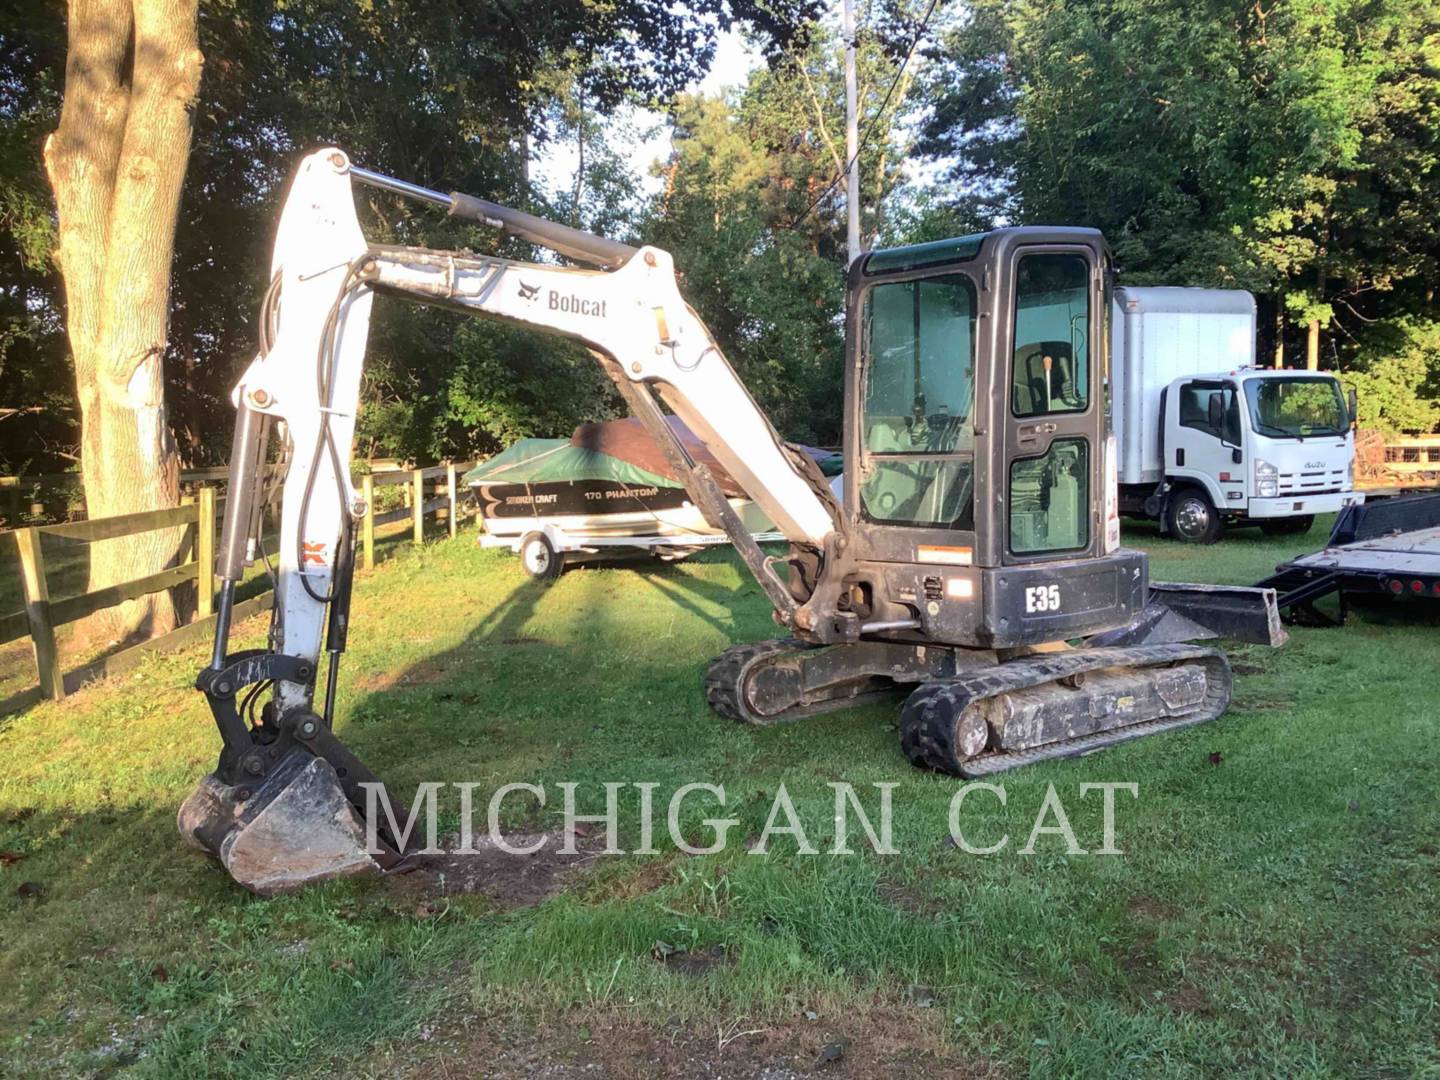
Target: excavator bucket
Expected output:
[283,807]
[294,827]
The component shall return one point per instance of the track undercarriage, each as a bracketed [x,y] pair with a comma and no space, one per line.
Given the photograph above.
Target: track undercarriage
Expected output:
[970,712]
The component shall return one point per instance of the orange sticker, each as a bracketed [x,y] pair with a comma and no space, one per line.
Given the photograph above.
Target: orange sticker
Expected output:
[950,556]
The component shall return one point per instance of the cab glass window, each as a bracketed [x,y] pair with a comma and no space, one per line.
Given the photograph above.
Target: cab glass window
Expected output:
[1297,407]
[1195,409]
[1050,499]
[1052,327]
[919,399]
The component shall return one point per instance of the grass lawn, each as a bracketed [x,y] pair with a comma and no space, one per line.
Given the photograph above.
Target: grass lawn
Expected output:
[1276,910]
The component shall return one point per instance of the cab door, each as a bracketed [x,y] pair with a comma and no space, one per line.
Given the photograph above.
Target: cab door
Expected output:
[1052,450]
[1199,447]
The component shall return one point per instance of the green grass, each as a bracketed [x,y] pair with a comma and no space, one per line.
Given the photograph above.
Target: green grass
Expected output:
[1275,914]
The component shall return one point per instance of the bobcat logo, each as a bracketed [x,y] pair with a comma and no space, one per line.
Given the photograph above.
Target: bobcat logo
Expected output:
[528,292]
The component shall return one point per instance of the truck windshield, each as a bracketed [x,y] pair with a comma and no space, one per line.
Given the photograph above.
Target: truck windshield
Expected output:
[1293,408]
[919,340]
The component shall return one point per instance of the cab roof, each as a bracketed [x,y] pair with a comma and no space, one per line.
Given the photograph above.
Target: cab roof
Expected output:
[965,248]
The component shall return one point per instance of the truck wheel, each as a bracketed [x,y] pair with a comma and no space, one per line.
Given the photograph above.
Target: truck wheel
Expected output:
[538,558]
[1191,517]
[1291,526]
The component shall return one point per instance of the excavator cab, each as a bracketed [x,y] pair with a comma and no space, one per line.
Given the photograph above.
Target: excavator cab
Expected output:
[977,440]
[972,564]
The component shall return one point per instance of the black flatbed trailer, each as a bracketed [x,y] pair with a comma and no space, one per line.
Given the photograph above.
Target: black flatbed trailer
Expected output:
[1389,547]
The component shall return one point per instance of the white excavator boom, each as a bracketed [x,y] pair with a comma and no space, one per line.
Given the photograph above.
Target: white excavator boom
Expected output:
[314,326]
[632,317]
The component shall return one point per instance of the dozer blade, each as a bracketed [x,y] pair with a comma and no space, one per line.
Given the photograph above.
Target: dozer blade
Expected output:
[294,827]
[1177,613]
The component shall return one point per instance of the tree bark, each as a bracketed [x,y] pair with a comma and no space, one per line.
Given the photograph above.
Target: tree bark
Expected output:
[1312,340]
[116,164]
[1279,330]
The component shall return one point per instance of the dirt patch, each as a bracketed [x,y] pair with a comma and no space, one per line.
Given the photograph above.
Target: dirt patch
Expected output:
[911,898]
[424,672]
[1190,999]
[508,880]
[1149,909]
[889,1041]
[690,962]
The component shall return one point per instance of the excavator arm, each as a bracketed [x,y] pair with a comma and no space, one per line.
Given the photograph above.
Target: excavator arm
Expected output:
[280,809]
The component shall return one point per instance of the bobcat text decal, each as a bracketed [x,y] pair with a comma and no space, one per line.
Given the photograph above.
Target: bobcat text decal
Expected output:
[577,305]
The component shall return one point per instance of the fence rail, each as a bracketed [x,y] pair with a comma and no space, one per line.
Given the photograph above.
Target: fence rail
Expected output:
[1411,454]
[13,488]
[42,616]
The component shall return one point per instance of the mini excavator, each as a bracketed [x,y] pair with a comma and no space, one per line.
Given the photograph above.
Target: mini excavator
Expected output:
[974,562]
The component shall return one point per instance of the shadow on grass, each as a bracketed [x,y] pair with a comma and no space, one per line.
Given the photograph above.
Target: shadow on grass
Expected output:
[598,675]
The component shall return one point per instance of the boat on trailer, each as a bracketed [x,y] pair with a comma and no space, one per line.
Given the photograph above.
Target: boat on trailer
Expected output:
[603,493]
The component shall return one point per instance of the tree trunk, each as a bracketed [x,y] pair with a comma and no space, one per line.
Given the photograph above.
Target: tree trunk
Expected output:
[1312,341]
[1279,330]
[116,165]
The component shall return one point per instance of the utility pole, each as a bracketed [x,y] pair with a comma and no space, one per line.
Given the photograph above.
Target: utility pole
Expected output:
[852,138]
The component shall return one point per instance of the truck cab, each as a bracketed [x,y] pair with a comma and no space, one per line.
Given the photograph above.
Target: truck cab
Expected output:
[1270,448]
[1205,437]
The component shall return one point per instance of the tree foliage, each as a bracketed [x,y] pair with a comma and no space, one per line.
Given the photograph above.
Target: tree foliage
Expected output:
[752,211]
[1289,148]
[445,93]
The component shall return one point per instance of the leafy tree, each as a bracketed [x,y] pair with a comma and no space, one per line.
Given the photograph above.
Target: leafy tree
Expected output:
[1397,391]
[755,218]
[1286,148]
[447,93]
[37,390]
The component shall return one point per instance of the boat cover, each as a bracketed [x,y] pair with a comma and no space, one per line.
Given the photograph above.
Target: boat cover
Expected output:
[628,441]
[544,461]
[619,451]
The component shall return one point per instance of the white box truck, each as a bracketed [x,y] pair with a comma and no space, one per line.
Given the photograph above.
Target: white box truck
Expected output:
[1205,438]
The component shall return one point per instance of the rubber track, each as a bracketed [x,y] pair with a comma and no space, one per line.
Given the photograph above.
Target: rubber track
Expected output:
[727,674]
[724,676]
[927,720]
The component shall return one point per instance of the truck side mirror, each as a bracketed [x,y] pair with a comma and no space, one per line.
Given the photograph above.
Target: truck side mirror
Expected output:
[1352,402]
[1217,415]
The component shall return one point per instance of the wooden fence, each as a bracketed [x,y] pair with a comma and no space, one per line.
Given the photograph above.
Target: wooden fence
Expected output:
[41,616]
[14,490]
[1413,454]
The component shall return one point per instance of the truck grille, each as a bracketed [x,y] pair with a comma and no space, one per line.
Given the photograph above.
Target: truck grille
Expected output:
[1320,482]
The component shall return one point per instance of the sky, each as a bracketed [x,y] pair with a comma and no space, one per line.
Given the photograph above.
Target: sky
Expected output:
[734,59]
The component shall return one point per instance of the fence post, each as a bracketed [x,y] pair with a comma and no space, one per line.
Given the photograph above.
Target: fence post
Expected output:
[367,525]
[205,553]
[454,502]
[417,504]
[37,613]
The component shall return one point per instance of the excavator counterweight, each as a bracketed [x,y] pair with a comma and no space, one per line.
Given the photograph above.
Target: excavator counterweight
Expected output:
[974,561]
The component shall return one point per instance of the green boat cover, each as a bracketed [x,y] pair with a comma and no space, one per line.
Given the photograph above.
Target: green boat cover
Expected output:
[541,461]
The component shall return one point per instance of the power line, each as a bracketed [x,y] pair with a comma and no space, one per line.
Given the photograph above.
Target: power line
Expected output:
[869,128]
